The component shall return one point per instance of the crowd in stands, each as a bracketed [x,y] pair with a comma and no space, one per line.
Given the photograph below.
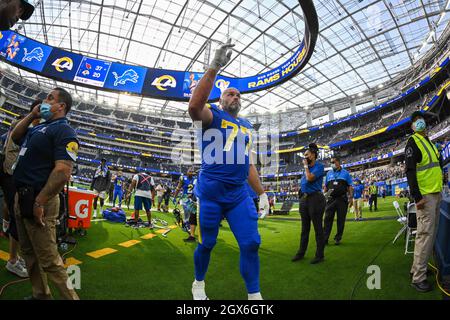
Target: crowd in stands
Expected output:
[108,124]
[385,173]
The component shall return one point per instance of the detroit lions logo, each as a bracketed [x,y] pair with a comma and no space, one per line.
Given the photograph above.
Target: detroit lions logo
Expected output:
[36,53]
[129,75]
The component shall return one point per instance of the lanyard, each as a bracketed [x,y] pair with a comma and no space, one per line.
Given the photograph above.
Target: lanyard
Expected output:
[41,127]
[335,177]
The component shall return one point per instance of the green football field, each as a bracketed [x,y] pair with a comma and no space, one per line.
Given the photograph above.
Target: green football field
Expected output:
[162,268]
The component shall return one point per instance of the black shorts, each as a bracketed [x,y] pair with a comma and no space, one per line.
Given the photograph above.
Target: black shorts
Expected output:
[193,219]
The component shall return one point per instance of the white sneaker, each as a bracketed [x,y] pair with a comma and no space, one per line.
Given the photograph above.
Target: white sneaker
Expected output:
[17,269]
[255,296]
[198,290]
[94,215]
[22,262]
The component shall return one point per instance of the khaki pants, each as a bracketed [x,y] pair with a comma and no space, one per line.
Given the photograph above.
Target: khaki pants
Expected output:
[357,207]
[40,251]
[427,224]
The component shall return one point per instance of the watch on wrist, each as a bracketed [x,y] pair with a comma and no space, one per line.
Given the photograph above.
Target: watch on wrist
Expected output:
[37,204]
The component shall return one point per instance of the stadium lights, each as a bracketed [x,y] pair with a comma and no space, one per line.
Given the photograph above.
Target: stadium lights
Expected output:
[360,94]
[380,86]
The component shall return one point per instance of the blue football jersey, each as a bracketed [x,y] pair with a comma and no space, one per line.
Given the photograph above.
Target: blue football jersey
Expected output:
[188,185]
[225,148]
[118,182]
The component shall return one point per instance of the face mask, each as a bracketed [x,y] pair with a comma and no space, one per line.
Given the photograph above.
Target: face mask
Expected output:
[420,125]
[333,166]
[46,114]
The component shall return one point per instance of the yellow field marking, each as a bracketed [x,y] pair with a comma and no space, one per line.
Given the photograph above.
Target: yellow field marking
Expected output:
[148,236]
[100,253]
[72,262]
[161,230]
[172,227]
[129,243]
[4,255]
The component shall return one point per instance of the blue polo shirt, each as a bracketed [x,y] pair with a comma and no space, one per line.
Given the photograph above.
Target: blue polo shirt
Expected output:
[337,182]
[342,174]
[318,171]
[358,190]
[43,145]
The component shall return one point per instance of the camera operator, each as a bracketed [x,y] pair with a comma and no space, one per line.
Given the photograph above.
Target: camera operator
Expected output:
[312,204]
[45,162]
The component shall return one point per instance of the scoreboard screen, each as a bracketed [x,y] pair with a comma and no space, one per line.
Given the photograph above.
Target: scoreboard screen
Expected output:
[92,72]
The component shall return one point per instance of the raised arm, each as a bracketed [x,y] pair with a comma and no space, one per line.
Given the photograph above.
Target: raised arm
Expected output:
[197,110]
[20,130]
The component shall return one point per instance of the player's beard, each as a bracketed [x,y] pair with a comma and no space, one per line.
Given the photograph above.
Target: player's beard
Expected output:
[233,108]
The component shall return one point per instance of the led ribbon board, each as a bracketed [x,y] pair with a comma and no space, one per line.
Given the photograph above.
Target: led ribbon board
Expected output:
[65,66]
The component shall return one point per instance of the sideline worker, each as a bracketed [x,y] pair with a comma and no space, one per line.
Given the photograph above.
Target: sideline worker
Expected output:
[337,184]
[45,162]
[312,204]
[424,174]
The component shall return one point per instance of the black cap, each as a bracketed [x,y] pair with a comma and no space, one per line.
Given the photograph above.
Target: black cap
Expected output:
[28,10]
[103,159]
[416,114]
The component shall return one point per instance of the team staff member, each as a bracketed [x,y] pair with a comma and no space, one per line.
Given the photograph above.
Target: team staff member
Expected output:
[45,162]
[12,10]
[373,199]
[358,190]
[144,196]
[338,184]
[312,204]
[11,150]
[424,174]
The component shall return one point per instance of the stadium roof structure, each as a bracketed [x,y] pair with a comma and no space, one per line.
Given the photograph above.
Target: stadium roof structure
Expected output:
[361,45]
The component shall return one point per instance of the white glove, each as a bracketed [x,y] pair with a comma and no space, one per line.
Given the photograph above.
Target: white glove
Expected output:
[5,225]
[263,206]
[222,56]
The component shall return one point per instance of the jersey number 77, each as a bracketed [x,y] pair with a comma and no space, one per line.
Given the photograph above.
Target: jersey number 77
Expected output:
[235,130]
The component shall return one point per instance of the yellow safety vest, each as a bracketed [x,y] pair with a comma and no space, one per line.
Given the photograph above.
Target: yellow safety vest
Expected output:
[373,190]
[429,172]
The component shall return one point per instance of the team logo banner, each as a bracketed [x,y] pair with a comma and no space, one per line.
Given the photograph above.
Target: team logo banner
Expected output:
[62,65]
[77,69]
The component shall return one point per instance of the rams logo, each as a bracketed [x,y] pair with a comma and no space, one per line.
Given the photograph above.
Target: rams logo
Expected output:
[164,81]
[222,85]
[72,150]
[63,63]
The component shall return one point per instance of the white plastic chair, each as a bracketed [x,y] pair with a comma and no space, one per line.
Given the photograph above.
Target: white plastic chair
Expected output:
[401,219]
[411,227]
